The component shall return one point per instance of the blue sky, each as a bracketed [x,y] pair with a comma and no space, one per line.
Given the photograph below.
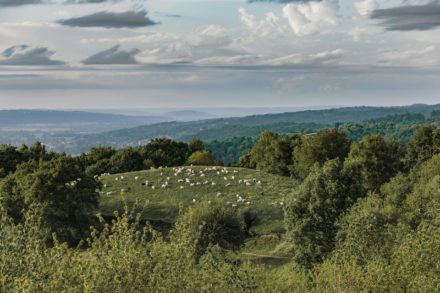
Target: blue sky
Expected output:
[177,53]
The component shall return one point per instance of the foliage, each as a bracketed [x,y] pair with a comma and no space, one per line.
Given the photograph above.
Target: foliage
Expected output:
[424,144]
[315,206]
[230,150]
[326,145]
[271,154]
[213,223]
[378,158]
[122,257]
[68,196]
[202,158]
[163,152]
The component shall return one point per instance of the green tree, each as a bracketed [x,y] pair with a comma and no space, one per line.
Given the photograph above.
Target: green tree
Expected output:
[378,158]
[246,160]
[126,160]
[196,145]
[326,145]
[213,223]
[422,146]
[163,152]
[314,207]
[202,158]
[272,154]
[66,194]
[10,157]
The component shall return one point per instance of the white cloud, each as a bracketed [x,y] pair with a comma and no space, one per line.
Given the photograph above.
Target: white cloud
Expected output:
[311,17]
[321,58]
[205,42]
[366,7]
[270,25]
[356,33]
[419,57]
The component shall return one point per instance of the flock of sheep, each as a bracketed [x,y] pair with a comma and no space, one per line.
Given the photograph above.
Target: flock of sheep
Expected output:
[188,178]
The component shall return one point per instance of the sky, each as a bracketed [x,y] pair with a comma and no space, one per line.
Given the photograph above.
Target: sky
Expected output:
[114,54]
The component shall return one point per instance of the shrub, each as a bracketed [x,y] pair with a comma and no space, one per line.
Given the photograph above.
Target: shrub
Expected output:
[201,158]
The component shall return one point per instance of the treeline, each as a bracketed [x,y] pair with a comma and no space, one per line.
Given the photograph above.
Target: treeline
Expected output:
[159,152]
[399,127]
[297,154]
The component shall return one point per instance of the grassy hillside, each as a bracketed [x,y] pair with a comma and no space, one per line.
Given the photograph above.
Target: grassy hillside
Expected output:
[167,189]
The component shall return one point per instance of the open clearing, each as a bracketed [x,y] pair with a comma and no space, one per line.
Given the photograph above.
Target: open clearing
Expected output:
[163,192]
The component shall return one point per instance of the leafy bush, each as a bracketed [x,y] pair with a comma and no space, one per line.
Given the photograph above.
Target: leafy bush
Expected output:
[214,223]
[202,158]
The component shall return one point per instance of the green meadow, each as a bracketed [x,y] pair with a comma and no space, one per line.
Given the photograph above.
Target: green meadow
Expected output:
[163,193]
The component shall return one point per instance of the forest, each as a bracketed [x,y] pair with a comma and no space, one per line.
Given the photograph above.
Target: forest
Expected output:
[341,210]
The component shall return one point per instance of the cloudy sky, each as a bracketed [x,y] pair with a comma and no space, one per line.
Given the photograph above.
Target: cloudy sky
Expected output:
[202,53]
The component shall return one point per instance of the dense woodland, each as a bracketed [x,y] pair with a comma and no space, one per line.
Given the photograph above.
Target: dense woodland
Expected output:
[364,217]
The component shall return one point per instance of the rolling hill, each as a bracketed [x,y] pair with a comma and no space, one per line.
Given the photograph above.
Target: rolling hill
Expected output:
[166,190]
[251,126]
[80,121]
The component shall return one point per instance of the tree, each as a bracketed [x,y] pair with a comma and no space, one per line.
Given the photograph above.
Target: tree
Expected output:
[68,196]
[314,207]
[163,152]
[196,145]
[126,160]
[378,158]
[272,154]
[10,157]
[202,158]
[246,160]
[422,146]
[213,223]
[326,145]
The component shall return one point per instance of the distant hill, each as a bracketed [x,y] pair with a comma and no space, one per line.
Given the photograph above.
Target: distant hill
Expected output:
[78,121]
[226,128]
[188,115]
[75,131]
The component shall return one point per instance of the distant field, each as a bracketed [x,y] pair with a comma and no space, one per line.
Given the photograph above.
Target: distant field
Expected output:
[168,189]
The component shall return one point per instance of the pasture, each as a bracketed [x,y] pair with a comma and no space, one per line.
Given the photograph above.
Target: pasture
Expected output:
[162,193]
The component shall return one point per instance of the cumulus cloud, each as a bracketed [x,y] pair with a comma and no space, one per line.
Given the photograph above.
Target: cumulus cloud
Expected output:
[416,57]
[128,19]
[207,41]
[424,16]
[311,17]
[366,7]
[114,55]
[270,25]
[25,55]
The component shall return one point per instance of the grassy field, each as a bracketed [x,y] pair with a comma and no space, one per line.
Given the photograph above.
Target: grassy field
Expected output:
[167,190]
